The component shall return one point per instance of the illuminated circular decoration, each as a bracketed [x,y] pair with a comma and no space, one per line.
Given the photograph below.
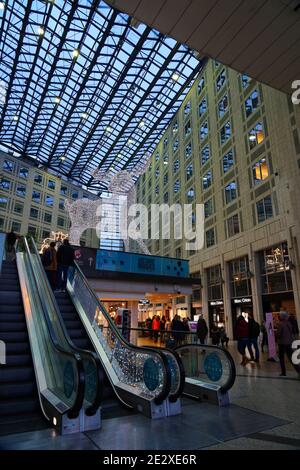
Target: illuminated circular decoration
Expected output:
[151,374]
[213,367]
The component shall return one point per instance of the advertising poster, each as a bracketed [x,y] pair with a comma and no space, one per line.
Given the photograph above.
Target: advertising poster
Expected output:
[271,336]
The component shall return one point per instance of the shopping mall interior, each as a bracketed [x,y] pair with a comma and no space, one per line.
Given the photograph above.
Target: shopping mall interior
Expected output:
[149,225]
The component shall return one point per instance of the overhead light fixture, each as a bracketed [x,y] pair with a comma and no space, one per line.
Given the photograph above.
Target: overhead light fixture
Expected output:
[2,5]
[129,142]
[142,123]
[108,129]
[57,99]
[175,76]
[252,137]
[75,53]
[15,117]
[62,158]
[84,115]
[41,31]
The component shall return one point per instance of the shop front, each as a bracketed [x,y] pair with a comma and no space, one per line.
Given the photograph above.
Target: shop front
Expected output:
[240,289]
[216,314]
[276,280]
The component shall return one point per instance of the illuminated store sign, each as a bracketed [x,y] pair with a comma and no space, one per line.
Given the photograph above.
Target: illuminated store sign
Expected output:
[243,300]
[215,303]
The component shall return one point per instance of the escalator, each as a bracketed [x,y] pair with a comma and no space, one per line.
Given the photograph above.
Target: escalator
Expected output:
[19,401]
[142,379]
[44,380]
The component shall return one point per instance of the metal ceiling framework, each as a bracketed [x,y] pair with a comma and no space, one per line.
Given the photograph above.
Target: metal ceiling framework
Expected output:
[85,86]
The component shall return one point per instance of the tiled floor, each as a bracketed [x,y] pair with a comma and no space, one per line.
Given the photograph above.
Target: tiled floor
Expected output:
[265,414]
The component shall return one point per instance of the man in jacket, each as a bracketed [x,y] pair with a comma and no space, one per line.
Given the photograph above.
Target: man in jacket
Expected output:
[49,260]
[65,259]
[285,338]
[253,331]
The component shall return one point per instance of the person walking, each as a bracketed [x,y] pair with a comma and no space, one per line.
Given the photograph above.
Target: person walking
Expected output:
[242,334]
[11,239]
[253,331]
[202,329]
[224,338]
[284,339]
[49,260]
[264,336]
[156,327]
[65,259]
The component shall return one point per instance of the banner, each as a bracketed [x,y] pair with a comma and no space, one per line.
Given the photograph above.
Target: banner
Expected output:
[271,336]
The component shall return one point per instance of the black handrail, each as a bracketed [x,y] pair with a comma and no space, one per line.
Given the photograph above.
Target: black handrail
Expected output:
[91,410]
[167,375]
[74,411]
[232,375]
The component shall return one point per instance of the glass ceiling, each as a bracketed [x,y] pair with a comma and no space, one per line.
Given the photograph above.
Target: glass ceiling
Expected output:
[83,86]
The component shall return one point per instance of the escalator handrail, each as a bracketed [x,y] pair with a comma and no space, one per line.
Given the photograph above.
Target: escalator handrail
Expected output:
[74,410]
[82,352]
[167,373]
[231,380]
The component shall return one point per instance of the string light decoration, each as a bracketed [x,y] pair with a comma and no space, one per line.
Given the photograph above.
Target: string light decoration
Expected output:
[84,213]
[57,237]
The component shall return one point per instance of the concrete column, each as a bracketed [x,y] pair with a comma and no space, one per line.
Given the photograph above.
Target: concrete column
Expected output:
[133,307]
[204,293]
[256,287]
[188,301]
[295,273]
[227,301]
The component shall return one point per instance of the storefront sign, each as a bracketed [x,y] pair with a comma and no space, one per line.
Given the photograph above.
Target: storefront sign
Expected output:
[243,300]
[215,303]
[271,336]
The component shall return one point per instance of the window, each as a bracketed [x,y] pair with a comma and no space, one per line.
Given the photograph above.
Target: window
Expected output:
[245,80]
[175,145]
[176,165]
[20,190]
[47,217]
[189,171]
[166,197]
[34,213]
[49,200]
[3,202]
[4,183]
[201,84]
[187,108]
[190,195]
[8,165]
[166,159]
[203,130]
[1,222]
[51,184]
[23,172]
[233,225]
[188,150]
[157,156]
[18,209]
[32,231]
[217,63]
[225,132]
[175,127]
[176,186]
[45,234]
[157,172]
[166,140]
[178,253]
[260,171]
[149,183]
[36,196]
[61,204]
[74,194]
[256,135]
[207,180]
[60,221]
[208,208]
[166,178]
[230,192]
[210,237]
[38,179]
[264,209]
[228,161]
[205,154]
[202,107]
[221,79]
[64,190]
[187,128]
[252,103]
[222,106]
[16,226]
[157,189]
